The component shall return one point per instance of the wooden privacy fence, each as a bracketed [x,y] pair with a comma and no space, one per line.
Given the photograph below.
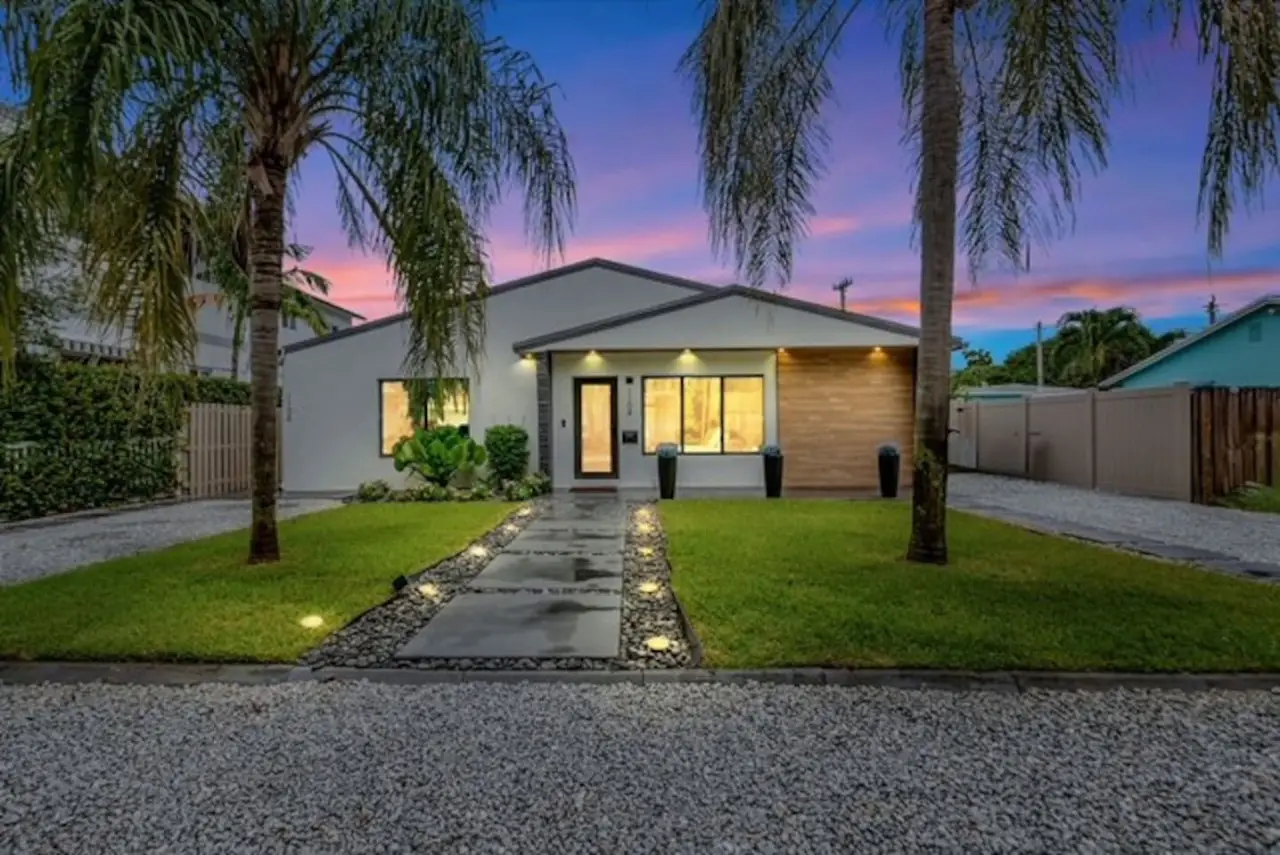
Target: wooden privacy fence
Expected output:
[218,451]
[1171,443]
[1235,440]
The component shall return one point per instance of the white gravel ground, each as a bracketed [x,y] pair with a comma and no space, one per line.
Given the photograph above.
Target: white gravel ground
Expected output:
[1244,535]
[27,554]
[526,768]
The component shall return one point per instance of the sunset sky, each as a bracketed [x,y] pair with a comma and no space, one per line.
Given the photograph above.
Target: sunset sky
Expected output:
[628,117]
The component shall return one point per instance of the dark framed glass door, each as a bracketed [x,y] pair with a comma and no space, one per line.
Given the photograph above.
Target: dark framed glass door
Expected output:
[595,427]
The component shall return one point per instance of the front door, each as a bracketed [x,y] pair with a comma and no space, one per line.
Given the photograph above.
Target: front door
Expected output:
[595,408]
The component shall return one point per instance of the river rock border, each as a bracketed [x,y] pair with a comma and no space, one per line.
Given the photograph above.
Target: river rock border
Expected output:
[649,609]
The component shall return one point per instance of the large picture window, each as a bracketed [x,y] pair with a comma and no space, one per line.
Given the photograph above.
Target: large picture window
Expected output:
[704,415]
[400,416]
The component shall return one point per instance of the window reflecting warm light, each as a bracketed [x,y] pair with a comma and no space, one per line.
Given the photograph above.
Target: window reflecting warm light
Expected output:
[743,414]
[702,434]
[401,417]
[704,414]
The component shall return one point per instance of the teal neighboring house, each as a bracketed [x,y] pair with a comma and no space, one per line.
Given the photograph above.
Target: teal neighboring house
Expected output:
[1241,350]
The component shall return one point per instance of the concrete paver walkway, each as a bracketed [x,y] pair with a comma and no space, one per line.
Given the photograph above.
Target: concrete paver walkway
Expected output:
[554,591]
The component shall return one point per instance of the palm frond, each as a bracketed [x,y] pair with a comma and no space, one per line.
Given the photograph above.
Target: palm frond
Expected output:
[758,70]
[1241,152]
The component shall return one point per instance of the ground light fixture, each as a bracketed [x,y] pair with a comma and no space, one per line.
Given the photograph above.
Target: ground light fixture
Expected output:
[646,551]
[429,591]
[510,528]
[650,587]
[477,551]
[524,512]
[658,643]
[311,622]
[644,528]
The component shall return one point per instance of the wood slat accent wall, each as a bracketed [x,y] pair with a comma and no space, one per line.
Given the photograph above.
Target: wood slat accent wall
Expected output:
[836,406]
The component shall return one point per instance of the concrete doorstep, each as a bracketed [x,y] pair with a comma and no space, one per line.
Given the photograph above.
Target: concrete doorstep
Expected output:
[180,674]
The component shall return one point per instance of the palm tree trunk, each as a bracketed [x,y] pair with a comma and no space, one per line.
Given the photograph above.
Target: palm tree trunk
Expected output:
[237,341]
[940,149]
[268,175]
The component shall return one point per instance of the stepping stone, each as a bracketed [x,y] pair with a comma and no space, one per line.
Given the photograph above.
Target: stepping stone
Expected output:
[570,541]
[595,526]
[540,572]
[563,508]
[513,626]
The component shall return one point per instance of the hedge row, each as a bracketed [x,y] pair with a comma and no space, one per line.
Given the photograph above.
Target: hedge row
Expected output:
[75,436]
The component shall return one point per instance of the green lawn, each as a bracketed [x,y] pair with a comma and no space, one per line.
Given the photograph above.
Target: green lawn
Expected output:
[1260,498]
[776,583]
[200,601]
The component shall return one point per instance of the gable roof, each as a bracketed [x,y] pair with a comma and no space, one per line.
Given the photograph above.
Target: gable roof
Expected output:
[343,310]
[709,297]
[1266,301]
[534,279]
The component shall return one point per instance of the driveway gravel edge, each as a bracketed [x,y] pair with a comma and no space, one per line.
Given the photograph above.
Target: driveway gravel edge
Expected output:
[179,674]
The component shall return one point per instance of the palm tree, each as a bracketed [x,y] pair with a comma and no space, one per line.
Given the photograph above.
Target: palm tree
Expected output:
[232,295]
[143,109]
[1004,100]
[1093,344]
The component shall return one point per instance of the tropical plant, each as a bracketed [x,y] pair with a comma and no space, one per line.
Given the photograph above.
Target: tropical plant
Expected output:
[139,110]
[373,491]
[1010,116]
[233,291]
[508,449]
[1093,344]
[439,455]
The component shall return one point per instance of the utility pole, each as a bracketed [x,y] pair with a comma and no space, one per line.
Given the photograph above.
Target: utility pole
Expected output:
[1211,308]
[1039,355]
[842,286]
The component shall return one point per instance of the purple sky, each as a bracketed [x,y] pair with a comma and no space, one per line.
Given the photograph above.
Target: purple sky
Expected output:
[627,113]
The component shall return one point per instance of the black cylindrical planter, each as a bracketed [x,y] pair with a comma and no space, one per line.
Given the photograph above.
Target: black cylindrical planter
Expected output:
[667,477]
[773,476]
[890,462]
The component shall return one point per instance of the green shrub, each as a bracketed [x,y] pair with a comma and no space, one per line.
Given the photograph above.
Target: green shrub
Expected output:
[538,482]
[76,436]
[217,390]
[528,487]
[438,456]
[373,491]
[508,447]
[481,492]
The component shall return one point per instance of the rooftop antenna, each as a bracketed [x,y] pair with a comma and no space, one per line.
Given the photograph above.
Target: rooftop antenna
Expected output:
[842,286]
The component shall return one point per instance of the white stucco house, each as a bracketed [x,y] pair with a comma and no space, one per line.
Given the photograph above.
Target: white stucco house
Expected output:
[601,362]
[77,338]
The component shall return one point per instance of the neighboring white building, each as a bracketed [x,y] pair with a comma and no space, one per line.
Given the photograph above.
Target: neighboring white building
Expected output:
[79,339]
[601,362]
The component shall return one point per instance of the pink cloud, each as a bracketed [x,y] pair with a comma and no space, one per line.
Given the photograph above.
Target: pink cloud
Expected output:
[1154,295]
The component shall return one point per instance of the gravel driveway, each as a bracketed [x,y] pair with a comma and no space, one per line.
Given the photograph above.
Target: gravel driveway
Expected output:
[530,768]
[43,551]
[1241,534]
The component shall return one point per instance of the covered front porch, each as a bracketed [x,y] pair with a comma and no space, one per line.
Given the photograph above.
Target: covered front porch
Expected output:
[722,375]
